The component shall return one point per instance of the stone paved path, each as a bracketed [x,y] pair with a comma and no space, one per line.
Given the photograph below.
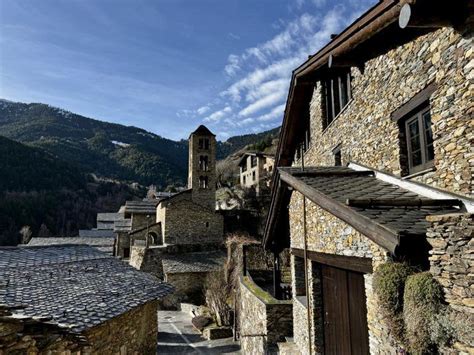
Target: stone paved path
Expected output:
[176,335]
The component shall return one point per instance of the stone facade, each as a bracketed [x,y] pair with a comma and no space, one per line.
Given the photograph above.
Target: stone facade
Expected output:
[368,136]
[148,259]
[264,321]
[134,332]
[122,244]
[200,169]
[452,262]
[185,222]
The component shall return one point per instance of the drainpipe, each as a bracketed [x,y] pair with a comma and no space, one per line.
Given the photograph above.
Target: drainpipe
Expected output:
[306,281]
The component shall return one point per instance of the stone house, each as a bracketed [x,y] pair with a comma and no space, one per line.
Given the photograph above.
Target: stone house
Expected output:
[75,299]
[122,228]
[256,169]
[374,165]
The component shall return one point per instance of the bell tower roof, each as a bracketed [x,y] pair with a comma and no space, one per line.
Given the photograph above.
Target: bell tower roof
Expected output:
[203,131]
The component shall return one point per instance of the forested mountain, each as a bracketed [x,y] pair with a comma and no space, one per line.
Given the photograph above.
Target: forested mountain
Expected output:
[108,150]
[49,195]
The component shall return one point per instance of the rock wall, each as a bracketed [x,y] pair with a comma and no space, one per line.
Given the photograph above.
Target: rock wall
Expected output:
[452,264]
[367,134]
[134,332]
[148,259]
[264,321]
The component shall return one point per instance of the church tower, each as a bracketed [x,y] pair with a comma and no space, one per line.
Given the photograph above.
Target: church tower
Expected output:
[202,167]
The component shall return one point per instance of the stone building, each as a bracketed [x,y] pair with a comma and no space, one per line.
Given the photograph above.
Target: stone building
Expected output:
[75,299]
[256,170]
[184,223]
[375,165]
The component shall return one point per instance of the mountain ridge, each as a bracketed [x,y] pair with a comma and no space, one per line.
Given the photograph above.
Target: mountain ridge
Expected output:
[109,150]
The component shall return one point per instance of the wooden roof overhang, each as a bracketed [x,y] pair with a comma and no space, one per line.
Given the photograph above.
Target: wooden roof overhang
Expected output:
[383,27]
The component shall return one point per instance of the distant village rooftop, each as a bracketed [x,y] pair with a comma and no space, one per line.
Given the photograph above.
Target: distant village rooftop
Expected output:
[140,207]
[75,286]
[104,244]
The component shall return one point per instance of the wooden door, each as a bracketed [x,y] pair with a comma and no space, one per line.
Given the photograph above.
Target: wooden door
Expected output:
[345,312]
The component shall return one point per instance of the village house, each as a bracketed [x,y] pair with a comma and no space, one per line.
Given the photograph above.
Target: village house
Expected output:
[374,167]
[104,244]
[75,299]
[255,170]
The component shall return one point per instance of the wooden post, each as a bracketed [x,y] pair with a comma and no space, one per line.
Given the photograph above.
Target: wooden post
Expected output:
[276,276]
[244,260]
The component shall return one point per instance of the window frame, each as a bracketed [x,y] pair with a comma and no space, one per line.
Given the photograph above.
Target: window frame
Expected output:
[418,117]
[332,89]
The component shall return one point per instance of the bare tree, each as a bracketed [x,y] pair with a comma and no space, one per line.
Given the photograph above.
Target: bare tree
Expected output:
[26,234]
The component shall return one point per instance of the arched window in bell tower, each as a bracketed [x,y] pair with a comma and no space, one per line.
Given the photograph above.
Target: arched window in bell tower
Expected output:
[203,182]
[203,162]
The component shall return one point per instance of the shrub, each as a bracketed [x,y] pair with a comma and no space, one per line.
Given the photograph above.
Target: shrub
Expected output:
[422,302]
[389,286]
[217,295]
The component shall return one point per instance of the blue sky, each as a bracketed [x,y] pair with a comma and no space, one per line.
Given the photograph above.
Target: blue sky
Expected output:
[165,65]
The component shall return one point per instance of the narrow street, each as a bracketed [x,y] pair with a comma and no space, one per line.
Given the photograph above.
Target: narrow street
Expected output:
[176,335]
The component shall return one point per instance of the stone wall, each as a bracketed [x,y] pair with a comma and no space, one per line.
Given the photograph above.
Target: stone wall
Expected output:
[148,259]
[134,332]
[140,220]
[264,321]
[188,287]
[122,242]
[328,234]
[452,264]
[184,222]
[204,197]
[364,128]
[34,337]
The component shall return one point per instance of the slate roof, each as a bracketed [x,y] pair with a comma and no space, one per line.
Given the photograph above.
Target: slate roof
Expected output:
[123,225]
[96,233]
[109,217]
[78,286]
[203,131]
[348,186]
[141,207]
[193,262]
[105,245]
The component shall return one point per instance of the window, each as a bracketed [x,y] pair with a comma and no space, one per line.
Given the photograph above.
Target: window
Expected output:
[126,253]
[336,95]
[253,176]
[204,163]
[253,163]
[207,224]
[419,141]
[203,182]
[204,143]
[245,180]
[337,156]
[300,279]
[270,168]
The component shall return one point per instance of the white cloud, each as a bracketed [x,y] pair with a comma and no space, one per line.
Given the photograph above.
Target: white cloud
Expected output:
[276,112]
[202,110]
[218,115]
[260,75]
[262,103]
[233,65]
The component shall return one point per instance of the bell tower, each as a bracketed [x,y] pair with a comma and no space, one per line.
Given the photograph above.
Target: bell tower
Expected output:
[202,167]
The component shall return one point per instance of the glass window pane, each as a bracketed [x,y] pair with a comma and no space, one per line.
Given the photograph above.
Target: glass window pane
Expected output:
[335,92]
[416,158]
[430,152]
[343,84]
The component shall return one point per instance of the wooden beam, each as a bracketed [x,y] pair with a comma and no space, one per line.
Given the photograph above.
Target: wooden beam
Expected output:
[353,263]
[380,235]
[431,13]
[341,62]
[415,202]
